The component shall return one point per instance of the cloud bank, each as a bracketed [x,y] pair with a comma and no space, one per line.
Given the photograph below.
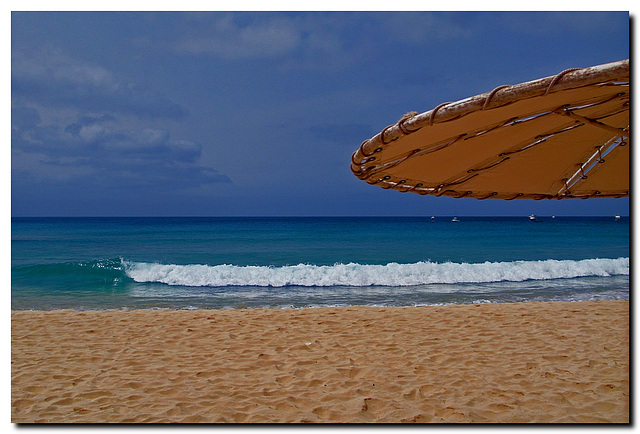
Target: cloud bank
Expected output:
[77,121]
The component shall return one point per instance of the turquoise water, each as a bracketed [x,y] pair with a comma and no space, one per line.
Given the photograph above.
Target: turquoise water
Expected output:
[115,263]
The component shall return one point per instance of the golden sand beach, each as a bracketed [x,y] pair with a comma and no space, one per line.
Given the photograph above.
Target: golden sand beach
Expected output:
[520,362]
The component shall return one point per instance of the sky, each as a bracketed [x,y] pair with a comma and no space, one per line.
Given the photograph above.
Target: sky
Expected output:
[258,113]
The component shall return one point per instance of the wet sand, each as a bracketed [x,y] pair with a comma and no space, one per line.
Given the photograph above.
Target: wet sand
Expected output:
[520,362]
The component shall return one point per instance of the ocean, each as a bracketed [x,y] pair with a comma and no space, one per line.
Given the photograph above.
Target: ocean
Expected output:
[230,263]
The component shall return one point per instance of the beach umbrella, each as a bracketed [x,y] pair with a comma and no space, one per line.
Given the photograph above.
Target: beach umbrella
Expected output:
[564,136]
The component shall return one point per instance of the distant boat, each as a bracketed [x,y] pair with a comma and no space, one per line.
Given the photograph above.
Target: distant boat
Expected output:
[617,217]
[455,219]
[433,219]
[532,218]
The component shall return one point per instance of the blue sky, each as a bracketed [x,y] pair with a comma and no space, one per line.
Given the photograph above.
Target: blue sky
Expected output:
[257,114]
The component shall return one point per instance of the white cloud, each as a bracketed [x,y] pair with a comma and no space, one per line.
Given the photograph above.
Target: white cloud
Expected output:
[153,136]
[48,77]
[52,65]
[322,41]
[229,40]
[423,27]
[92,133]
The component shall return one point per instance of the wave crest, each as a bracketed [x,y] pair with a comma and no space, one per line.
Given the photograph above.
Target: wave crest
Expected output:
[353,274]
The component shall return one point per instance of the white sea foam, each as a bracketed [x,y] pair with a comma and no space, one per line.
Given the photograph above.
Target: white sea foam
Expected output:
[353,274]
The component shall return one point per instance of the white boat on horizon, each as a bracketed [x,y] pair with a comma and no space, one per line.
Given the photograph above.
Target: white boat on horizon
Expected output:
[455,219]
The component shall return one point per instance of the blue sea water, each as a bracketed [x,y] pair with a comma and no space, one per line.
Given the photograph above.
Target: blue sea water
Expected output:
[178,263]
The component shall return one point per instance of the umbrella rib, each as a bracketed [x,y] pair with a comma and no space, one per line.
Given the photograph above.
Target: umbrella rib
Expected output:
[585,168]
[367,173]
[461,178]
[590,121]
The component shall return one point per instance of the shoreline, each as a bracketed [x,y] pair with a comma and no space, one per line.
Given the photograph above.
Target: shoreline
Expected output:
[484,363]
[292,307]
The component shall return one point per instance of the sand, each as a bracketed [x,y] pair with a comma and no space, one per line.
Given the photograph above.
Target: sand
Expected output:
[521,362]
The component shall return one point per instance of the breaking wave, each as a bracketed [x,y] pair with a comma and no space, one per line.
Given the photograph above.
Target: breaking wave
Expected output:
[352,274]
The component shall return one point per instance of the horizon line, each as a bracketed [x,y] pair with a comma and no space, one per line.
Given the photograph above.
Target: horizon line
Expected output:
[316,216]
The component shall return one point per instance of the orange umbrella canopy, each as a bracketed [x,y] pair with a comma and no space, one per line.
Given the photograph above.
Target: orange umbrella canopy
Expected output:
[565,136]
